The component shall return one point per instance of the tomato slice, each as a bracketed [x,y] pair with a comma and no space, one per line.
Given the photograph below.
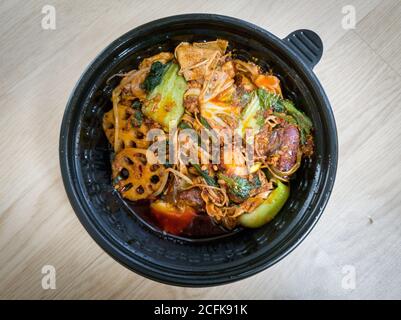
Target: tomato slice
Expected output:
[170,218]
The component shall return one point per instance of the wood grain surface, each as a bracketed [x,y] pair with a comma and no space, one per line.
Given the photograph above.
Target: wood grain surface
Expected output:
[360,231]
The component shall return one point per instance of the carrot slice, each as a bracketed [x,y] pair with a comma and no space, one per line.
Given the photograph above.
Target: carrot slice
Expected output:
[270,83]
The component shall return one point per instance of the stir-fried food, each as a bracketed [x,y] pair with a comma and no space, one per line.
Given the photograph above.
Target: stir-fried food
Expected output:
[231,140]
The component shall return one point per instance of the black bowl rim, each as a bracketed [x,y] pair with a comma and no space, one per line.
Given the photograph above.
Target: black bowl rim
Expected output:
[67,167]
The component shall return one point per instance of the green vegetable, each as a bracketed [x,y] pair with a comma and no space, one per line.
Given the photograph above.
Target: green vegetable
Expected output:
[136,104]
[204,122]
[164,104]
[184,125]
[268,209]
[137,119]
[270,100]
[154,77]
[252,115]
[303,121]
[240,187]
[203,173]
[286,110]
[245,98]
[285,117]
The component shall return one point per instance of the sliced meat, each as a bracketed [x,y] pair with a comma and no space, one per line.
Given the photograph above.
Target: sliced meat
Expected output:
[289,148]
[282,143]
[192,198]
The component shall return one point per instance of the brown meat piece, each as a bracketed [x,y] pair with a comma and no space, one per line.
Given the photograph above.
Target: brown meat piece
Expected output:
[282,142]
[192,198]
[289,148]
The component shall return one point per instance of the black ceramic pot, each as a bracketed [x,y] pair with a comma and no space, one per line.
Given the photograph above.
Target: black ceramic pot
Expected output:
[119,230]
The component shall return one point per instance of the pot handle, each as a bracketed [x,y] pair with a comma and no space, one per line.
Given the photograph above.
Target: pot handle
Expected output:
[307,45]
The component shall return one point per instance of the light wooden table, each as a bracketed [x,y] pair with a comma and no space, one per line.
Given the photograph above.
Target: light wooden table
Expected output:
[360,232]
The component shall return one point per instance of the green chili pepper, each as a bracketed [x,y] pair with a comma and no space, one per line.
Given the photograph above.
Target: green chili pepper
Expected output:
[268,209]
